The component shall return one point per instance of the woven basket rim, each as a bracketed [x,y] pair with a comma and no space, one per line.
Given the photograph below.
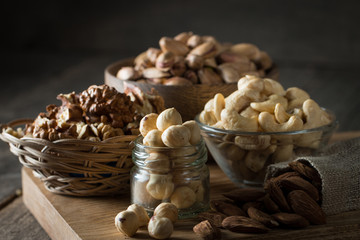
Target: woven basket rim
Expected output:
[75,166]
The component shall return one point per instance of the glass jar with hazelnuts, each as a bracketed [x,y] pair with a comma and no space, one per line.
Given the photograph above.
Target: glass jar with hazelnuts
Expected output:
[170,164]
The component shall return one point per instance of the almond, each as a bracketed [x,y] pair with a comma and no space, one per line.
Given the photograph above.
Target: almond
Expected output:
[226,208]
[291,220]
[258,205]
[308,172]
[207,230]
[242,224]
[277,195]
[262,217]
[305,206]
[245,194]
[215,218]
[270,205]
[297,183]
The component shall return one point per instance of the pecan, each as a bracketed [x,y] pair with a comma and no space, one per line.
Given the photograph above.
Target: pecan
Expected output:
[305,206]
[242,224]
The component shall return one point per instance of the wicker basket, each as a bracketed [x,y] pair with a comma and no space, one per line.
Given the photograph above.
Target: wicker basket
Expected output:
[75,167]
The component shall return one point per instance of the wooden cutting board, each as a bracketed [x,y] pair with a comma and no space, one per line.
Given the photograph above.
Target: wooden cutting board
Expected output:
[65,217]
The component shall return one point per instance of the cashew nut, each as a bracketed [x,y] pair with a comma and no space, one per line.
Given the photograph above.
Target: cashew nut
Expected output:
[153,139]
[209,105]
[280,113]
[255,160]
[234,121]
[273,87]
[268,123]
[207,117]
[148,123]
[250,82]
[195,135]
[219,105]
[249,112]
[269,105]
[296,97]
[259,142]
[236,101]
[167,118]
[283,153]
[176,136]
[160,186]
[315,117]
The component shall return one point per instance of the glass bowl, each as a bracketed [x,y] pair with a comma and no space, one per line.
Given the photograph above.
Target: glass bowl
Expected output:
[244,156]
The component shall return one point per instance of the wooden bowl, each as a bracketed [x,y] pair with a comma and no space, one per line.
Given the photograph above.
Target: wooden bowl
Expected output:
[188,100]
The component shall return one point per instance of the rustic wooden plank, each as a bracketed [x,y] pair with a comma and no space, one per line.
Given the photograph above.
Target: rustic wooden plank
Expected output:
[62,217]
[16,222]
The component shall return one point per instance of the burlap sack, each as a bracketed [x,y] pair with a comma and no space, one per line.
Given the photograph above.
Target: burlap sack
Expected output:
[339,169]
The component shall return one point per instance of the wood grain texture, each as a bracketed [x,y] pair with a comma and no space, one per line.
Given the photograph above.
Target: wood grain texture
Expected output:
[16,222]
[65,217]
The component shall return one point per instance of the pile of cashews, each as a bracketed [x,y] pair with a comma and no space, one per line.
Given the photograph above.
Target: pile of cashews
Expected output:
[262,105]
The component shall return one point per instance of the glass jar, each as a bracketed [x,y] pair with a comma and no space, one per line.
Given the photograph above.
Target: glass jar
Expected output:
[177,175]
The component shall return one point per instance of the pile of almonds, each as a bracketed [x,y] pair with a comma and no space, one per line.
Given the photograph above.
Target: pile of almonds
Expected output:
[290,200]
[189,59]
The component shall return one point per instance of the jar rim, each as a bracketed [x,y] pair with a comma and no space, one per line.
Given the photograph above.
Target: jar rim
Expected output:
[138,143]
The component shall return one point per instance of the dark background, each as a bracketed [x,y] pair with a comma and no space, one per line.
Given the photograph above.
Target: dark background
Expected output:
[52,47]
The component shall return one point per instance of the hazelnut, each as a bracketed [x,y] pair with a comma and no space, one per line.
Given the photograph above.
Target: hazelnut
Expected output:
[141,213]
[157,163]
[167,210]
[160,227]
[194,131]
[127,222]
[148,123]
[183,197]
[153,139]
[167,118]
[198,189]
[176,136]
[160,186]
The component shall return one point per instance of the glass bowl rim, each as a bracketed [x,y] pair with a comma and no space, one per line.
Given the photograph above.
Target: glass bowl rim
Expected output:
[332,125]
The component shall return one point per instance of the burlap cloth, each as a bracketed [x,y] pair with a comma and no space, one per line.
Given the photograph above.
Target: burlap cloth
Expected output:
[339,169]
